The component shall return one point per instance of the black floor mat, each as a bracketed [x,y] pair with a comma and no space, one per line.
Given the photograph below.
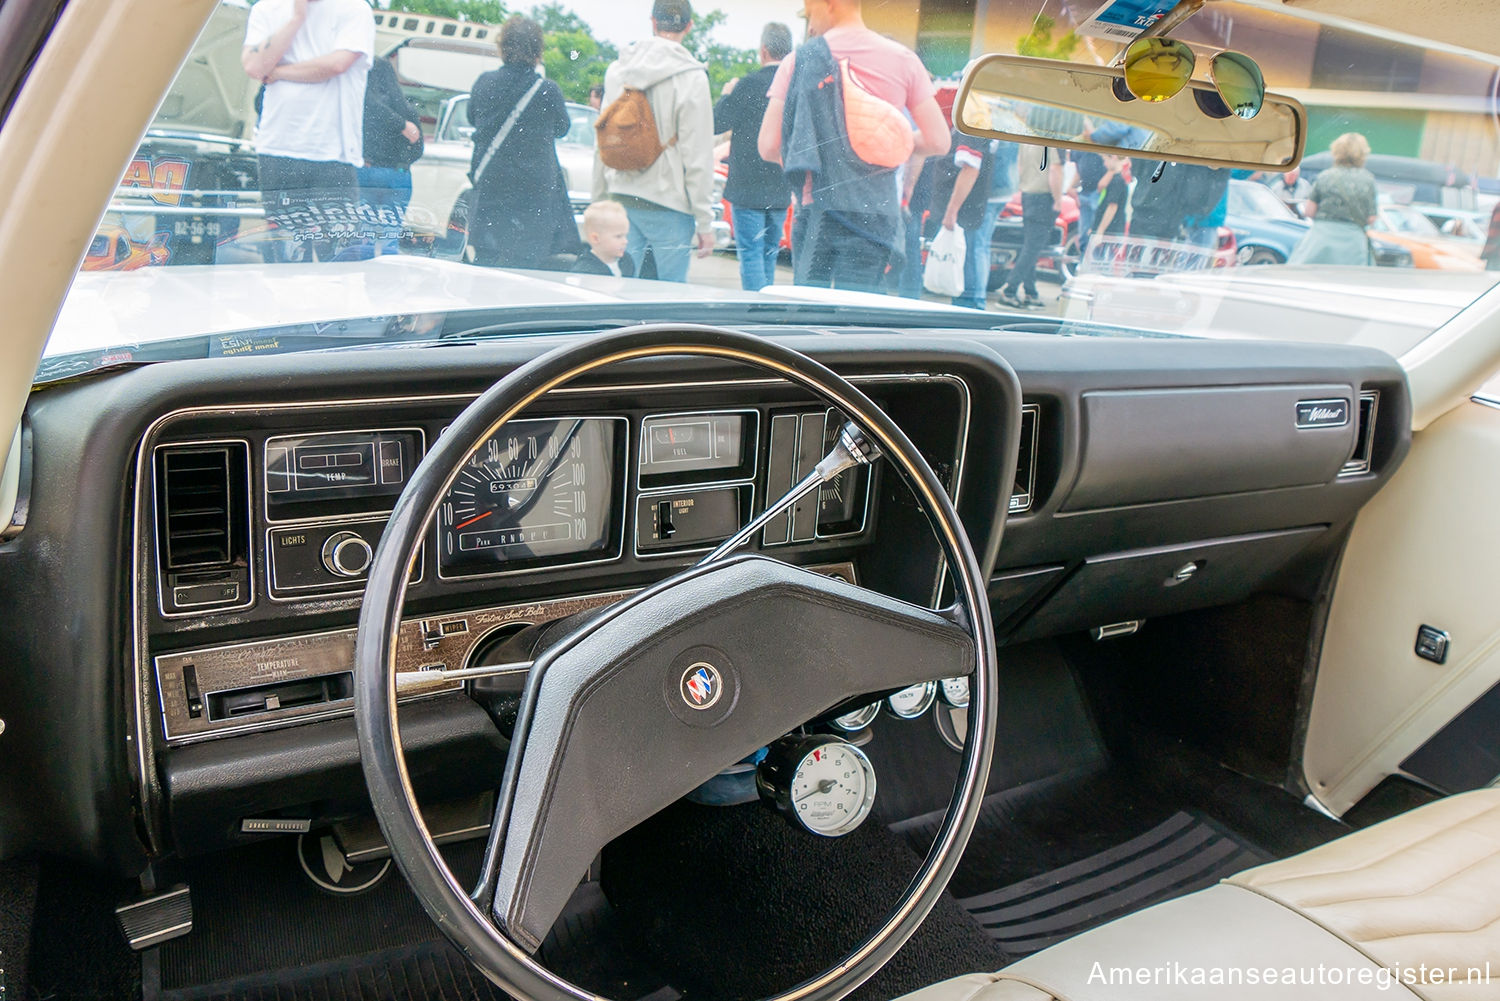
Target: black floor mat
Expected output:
[431,971]
[1182,854]
[262,931]
[733,904]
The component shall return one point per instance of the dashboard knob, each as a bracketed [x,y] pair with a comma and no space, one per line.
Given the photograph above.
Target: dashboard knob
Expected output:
[346,554]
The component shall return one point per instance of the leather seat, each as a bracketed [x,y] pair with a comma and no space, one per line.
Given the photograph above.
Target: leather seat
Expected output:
[1406,909]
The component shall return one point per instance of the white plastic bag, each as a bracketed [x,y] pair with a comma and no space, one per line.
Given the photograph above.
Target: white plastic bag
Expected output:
[944,271]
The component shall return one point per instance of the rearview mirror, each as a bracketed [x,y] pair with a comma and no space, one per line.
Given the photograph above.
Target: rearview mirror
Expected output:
[1046,102]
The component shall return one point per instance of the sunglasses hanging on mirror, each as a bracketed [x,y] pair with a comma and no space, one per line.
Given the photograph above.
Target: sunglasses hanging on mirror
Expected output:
[1157,69]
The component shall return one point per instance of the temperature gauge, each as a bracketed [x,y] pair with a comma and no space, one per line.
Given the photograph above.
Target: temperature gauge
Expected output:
[823,784]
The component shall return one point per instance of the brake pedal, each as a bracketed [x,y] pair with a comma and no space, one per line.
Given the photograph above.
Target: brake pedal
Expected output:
[157,919]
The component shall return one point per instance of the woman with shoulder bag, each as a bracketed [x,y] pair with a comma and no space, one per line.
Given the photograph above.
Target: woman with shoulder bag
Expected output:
[518,116]
[392,143]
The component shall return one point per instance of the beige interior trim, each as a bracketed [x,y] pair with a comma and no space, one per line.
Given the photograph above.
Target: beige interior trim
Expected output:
[1462,27]
[10,481]
[78,118]
[1449,366]
[1426,550]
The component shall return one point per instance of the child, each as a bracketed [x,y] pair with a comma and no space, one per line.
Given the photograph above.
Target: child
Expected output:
[608,230]
[1115,198]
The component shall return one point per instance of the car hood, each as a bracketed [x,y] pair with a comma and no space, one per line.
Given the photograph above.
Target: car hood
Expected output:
[1383,308]
[162,304]
[211,94]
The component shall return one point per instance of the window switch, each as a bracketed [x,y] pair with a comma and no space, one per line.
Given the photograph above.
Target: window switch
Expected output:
[1432,644]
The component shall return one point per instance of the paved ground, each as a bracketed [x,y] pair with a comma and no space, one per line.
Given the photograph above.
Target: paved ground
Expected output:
[721,270]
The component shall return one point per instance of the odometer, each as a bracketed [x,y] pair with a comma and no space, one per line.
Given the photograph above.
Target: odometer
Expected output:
[540,493]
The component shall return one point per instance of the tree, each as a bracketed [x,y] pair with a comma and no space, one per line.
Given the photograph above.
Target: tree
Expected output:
[724,62]
[576,61]
[1038,42]
[480,11]
[571,55]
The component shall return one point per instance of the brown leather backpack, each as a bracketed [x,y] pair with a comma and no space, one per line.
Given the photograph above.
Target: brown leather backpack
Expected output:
[626,133]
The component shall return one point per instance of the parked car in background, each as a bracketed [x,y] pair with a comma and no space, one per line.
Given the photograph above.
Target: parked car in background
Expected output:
[1060,259]
[1266,231]
[1407,179]
[111,249]
[1407,226]
[1458,224]
[440,182]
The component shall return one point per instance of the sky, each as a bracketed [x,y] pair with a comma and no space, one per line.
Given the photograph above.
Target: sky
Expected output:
[622,21]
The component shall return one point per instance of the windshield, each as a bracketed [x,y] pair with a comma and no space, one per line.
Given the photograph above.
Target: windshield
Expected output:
[325,173]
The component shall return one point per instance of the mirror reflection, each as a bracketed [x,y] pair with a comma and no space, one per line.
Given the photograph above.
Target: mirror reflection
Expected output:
[1077,106]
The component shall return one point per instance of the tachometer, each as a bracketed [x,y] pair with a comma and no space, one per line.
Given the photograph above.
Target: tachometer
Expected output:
[825,784]
[542,492]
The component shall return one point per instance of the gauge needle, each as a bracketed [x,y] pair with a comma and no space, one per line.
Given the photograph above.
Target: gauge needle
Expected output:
[477,517]
[825,786]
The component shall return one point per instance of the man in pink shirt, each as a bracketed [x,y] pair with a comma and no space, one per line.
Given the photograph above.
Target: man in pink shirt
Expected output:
[845,233]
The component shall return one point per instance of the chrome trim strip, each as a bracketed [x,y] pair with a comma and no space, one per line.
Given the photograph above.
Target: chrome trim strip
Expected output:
[161,600]
[1027,497]
[1365,435]
[623,482]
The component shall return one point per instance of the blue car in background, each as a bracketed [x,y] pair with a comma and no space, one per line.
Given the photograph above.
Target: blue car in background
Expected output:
[1266,231]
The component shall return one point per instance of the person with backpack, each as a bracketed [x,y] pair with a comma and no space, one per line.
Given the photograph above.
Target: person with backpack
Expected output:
[842,145]
[655,141]
[519,216]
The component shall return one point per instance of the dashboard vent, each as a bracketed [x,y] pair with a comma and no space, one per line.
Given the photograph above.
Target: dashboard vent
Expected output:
[1023,493]
[1364,436]
[202,533]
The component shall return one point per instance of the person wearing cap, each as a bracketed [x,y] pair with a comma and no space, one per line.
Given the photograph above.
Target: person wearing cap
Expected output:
[670,203]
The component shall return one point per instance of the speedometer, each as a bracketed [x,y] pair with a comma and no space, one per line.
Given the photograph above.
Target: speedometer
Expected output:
[541,493]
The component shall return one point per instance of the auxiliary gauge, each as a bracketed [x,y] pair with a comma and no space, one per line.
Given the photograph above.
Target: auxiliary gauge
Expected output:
[823,783]
[955,692]
[909,703]
[853,722]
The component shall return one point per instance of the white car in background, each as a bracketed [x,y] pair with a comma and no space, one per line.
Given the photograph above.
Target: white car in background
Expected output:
[440,179]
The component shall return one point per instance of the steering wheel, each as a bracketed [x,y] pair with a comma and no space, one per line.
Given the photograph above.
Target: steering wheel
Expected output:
[607,735]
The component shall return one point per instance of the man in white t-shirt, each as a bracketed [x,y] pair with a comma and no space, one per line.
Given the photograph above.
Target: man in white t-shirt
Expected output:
[313,57]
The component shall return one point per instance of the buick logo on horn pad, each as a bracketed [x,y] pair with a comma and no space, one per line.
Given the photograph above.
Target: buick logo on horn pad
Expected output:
[1322,413]
[701,685]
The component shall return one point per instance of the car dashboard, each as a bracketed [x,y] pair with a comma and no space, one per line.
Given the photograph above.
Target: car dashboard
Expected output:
[185,591]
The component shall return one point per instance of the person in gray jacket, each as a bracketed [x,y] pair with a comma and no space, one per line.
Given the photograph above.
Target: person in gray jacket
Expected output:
[670,203]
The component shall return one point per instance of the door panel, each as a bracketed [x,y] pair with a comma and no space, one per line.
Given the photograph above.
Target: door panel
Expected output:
[1425,551]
